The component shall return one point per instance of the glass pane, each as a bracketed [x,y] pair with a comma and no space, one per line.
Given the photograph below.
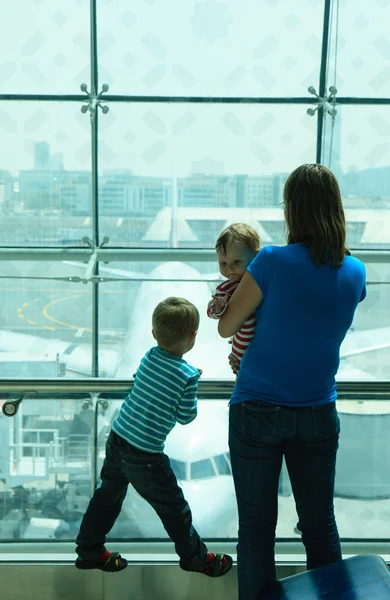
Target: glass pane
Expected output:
[126,309]
[45,179]
[231,48]
[362,496]
[371,330]
[45,467]
[181,172]
[46,325]
[356,149]
[45,47]
[363,59]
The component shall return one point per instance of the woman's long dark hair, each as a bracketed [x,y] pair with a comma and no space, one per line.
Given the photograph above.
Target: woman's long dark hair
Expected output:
[315,214]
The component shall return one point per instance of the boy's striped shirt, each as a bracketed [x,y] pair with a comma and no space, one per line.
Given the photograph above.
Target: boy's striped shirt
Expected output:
[164,392]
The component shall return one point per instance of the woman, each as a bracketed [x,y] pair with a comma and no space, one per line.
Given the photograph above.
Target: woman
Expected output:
[305,295]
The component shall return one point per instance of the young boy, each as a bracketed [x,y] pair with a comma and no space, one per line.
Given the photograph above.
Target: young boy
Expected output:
[164,393]
[236,247]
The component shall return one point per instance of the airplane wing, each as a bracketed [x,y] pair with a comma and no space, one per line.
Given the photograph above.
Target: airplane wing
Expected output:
[126,274]
[369,340]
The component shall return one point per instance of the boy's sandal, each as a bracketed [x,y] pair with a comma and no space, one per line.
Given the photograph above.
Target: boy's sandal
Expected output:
[220,565]
[113,564]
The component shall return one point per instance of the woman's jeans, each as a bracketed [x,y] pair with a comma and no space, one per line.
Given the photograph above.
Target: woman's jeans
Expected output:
[259,435]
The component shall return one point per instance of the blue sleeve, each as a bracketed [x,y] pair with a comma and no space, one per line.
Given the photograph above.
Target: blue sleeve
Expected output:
[260,270]
[364,292]
[364,288]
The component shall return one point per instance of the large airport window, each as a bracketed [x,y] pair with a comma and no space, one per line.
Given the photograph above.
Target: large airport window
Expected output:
[128,144]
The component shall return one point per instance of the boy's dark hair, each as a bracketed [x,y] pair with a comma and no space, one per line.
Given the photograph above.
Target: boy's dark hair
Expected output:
[173,320]
[314,213]
[238,233]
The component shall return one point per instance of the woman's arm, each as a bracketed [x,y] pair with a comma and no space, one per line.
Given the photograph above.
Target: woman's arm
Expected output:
[243,303]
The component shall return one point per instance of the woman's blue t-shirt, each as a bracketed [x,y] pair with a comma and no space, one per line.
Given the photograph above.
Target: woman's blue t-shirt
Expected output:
[304,316]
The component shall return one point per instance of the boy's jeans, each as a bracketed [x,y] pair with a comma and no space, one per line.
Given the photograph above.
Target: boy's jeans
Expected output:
[152,476]
[259,435]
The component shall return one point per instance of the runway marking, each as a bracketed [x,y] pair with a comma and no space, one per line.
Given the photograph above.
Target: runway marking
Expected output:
[78,295]
[57,321]
[31,322]
[79,333]
[20,316]
[49,328]
[19,310]
[25,304]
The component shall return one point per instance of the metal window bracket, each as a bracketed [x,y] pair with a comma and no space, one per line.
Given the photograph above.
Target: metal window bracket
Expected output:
[94,101]
[327,103]
[91,265]
[11,407]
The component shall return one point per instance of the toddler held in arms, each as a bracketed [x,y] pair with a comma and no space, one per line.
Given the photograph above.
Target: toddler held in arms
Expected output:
[236,247]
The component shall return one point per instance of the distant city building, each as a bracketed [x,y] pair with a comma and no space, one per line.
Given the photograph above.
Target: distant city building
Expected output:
[206,191]
[74,191]
[370,188]
[6,191]
[65,191]
[56,162]
[44,161]
[125,194]
[41,156]
[279,179]
[259,192]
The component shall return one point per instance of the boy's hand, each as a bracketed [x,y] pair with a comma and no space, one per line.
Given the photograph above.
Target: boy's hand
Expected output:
[199,371]
[219,304]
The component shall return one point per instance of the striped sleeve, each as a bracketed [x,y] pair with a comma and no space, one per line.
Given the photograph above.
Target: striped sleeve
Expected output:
[187,409]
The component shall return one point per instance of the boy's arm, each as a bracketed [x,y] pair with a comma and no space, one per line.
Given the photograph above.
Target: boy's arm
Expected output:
[187,408]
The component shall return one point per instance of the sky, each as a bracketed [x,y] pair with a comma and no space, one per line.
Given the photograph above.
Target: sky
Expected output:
[265,48]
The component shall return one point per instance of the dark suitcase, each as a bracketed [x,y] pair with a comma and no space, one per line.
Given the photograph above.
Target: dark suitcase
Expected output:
[364,577]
